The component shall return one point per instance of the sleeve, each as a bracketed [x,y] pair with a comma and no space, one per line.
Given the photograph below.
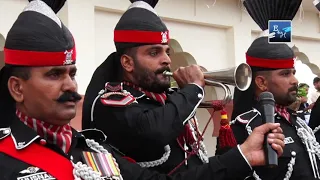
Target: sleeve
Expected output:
[315,115]
[160,124]
[239,131]
[230,165]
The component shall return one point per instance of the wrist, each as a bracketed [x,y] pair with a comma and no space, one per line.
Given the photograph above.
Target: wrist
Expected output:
[246,153]
[200,83]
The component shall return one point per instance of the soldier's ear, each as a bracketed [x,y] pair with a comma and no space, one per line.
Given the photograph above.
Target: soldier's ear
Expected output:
[15,87]
[127,63]
[261,83]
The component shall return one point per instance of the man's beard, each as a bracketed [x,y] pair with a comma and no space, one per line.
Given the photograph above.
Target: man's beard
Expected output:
[288,98]
[148,79]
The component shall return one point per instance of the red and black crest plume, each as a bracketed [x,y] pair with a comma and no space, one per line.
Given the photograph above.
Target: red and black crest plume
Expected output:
[262,55]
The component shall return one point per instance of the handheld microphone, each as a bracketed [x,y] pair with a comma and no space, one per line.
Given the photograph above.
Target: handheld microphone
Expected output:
[267,106]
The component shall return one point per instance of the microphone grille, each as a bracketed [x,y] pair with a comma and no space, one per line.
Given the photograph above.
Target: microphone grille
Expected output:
[266,96]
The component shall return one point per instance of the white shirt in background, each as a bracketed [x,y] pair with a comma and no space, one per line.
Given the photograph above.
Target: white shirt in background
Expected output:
[314,96]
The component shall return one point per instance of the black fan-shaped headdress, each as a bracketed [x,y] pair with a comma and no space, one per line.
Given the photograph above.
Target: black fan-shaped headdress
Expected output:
[261,11]
[139,25]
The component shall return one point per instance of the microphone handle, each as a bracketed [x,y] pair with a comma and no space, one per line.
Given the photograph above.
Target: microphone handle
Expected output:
[271,154]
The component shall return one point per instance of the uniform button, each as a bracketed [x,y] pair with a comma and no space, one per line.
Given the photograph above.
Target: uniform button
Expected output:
[7,131]
[293,153]
[200,96]
[43,142]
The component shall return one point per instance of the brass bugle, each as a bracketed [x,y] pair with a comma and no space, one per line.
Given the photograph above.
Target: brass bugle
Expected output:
[239,76]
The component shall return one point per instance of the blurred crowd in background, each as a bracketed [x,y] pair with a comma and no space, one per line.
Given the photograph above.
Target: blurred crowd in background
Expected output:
[306,100]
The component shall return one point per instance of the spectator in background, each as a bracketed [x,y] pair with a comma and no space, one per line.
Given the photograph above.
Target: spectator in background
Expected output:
[316,94]
[304,109]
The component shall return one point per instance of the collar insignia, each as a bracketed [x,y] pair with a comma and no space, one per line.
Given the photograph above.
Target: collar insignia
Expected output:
[288,140]
[30,170]
[4,132]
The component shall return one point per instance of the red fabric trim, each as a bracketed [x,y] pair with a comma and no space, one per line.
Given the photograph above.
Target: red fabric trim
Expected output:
[282,111]
[41,157]
[38,58]
[152,37]
[270,63]
[129,159]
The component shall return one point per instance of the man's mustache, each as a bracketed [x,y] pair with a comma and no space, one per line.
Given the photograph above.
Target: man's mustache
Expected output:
[69,96]
[161,70]
[293,88]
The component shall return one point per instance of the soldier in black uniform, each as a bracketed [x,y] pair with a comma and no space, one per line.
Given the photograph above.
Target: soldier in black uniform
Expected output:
[137,109]
[273,71]
[38,98]
[301,153]
[130,99]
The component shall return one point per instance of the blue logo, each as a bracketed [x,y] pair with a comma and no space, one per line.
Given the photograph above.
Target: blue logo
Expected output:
[280,31]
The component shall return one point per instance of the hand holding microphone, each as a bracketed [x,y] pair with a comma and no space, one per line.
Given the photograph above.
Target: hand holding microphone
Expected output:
[266,142]
[267,109]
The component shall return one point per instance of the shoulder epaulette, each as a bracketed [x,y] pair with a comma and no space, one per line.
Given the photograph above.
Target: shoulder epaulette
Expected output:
[114,95]
[248,116]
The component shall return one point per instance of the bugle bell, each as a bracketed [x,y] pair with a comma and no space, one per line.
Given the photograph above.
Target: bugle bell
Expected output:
[239,76]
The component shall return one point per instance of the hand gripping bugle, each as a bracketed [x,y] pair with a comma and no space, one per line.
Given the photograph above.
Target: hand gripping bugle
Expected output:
[239,76]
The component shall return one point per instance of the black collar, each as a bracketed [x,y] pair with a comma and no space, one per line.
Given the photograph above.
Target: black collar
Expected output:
[136,93]
[23,136]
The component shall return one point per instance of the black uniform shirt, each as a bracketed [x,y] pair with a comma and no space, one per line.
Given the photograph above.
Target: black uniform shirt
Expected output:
[229,166]
[141,130]
[293,146]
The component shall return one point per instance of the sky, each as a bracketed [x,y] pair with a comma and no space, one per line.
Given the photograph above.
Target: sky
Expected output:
[304,75]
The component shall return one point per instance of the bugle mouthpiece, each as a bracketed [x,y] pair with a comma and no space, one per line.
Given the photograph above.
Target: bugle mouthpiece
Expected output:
[167,73]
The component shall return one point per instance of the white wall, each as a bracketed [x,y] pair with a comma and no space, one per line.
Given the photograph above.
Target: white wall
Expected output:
[104,24]
[9,11]
[202,41]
